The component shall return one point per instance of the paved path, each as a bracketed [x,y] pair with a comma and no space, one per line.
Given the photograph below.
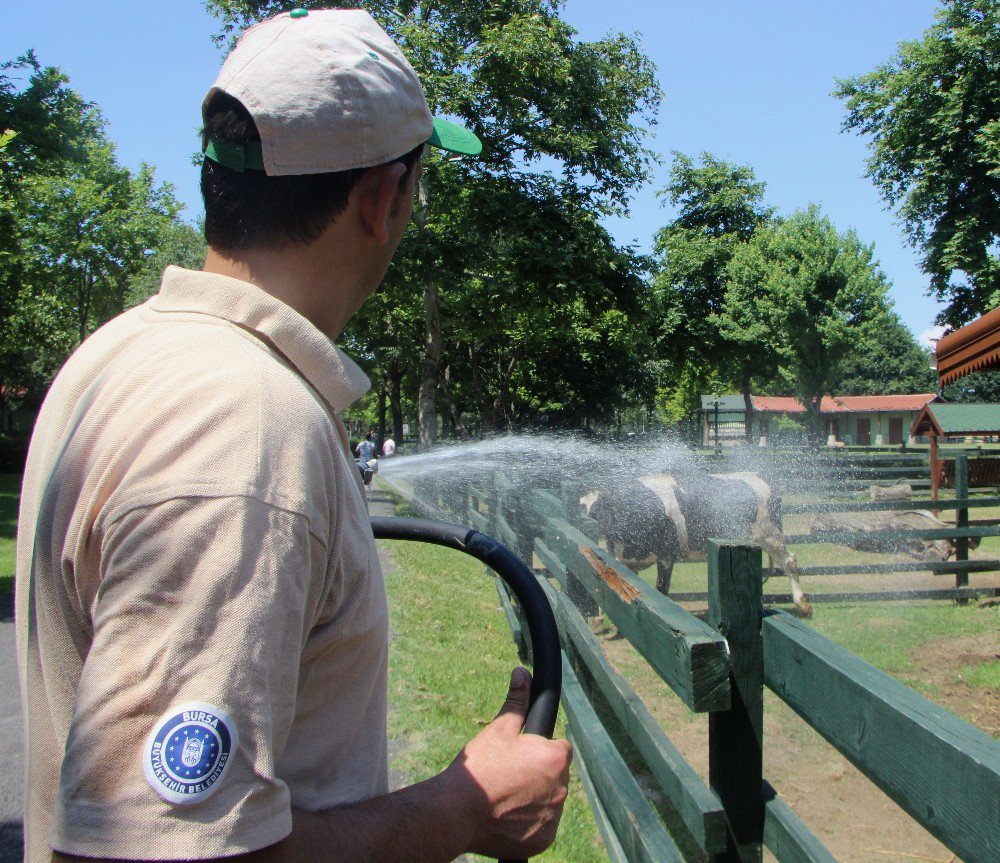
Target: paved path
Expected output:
[11,745]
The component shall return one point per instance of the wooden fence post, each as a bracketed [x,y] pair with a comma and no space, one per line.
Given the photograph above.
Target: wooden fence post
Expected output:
[962,518]
[736,736]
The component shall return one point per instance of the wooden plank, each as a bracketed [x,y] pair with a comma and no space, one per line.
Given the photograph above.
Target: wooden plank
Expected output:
[698,807]
[576,591]
[546,504]
[862,596]
[879,471]
[504,532]
[690,656]
[514,622]
[635,822]
[615,852]
[905,566]
[962,516]
[845,538]
[479,521]
[885,505]
[942,771]
[787,837]
[553,565]
[736,736]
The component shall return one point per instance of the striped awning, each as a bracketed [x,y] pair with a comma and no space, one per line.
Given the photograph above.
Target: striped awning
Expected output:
[973,348]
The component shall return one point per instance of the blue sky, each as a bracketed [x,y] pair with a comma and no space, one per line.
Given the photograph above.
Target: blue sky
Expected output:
[747,81]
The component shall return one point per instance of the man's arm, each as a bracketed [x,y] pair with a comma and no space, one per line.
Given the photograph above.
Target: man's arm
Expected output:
[501,797]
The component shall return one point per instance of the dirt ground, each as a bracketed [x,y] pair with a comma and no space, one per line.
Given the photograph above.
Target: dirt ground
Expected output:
[856,821]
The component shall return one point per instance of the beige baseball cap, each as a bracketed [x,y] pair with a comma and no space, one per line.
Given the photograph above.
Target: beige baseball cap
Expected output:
[329,91]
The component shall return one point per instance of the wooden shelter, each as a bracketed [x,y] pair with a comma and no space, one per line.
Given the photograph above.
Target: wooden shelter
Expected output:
[973,348]
[939,420]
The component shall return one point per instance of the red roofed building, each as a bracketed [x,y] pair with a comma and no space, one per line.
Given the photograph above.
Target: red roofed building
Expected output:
[854,420]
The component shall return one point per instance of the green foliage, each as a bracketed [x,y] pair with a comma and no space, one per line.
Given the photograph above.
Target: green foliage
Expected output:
[507,292]
[932,114]
[980,387]
[178,244]
[720,208]
[807,294]
[76,228]
[10,491]
[441,695]
[885,359]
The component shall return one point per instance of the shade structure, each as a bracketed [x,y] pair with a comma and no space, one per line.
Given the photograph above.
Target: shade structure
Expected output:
[945,420]
[973,348]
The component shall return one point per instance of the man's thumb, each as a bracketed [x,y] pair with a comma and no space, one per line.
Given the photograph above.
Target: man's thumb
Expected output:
[515,708]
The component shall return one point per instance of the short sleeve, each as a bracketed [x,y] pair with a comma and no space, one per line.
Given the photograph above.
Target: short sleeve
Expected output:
[188,690]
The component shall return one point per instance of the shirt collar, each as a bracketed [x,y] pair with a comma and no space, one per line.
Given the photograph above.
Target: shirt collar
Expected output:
[325,366]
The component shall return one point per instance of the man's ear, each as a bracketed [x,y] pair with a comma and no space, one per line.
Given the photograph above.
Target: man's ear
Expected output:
[377,191]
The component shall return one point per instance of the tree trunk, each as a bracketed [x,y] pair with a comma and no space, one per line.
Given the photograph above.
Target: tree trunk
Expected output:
[427,399]
[427,402]
[487,406]
[456,414]
[396,402]
[813,404]
[83,303]
[747,404]
[381,409]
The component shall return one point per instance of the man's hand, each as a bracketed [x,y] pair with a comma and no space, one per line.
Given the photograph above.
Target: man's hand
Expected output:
[502,797]
[512,785]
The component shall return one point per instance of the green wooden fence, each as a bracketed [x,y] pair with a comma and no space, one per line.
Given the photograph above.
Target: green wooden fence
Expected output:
[964,529]
[720,667]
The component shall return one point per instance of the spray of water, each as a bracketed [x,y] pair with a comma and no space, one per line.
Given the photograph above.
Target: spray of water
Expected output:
[532,461]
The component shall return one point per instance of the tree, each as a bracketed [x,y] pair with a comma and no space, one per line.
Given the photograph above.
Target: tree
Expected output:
[547,325]
[720,208]
[885,359]
[805,292]
[177,243]
[75,226]
[933,115]
[514,72]
[977,387]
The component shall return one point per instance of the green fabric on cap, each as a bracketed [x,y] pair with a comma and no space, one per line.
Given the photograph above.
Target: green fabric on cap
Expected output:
[446,135]
[239,157]
[454,138]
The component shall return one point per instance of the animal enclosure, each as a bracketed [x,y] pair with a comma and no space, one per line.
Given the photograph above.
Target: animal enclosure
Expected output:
[720,667]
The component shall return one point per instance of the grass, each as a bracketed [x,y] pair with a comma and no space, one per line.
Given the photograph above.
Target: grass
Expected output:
[450,662]
[10,492]
[886,634]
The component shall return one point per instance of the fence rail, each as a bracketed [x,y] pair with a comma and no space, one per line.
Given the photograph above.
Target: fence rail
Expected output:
[721,667]
[891,540]
[941,770]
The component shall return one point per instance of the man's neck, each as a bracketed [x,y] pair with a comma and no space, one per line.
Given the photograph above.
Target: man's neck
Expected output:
[302,277]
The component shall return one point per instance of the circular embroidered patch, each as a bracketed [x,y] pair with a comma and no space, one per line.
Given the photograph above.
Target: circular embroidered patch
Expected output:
[188,751]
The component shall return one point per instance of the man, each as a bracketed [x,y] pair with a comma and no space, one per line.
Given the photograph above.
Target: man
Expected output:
[365,450]
[201,616]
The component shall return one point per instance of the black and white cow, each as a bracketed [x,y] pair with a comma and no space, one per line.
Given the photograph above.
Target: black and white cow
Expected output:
[662,518]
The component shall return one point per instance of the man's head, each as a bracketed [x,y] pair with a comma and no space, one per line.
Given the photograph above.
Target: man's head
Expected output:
[305,104]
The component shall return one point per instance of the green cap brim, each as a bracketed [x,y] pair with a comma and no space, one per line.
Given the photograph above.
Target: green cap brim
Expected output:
[446,135]
[454,138]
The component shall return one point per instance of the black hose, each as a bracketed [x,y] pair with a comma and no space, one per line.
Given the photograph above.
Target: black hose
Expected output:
[546,679]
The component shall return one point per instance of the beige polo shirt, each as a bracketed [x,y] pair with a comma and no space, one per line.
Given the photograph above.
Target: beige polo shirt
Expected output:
[201,617]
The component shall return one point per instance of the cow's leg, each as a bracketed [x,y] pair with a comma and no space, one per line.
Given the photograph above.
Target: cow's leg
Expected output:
[664,570]
[774,546]
[791,569]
